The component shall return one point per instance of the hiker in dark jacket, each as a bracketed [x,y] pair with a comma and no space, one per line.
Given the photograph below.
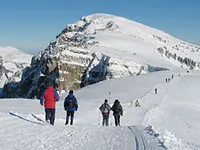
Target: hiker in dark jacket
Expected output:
[117,111]
[156,90]
[105,110]
[70,105]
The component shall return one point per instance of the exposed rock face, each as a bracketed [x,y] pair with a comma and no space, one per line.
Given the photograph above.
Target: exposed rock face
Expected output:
[96,48]
[65,60]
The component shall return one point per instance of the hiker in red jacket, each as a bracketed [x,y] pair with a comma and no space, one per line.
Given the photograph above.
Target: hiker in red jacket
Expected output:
[48,99]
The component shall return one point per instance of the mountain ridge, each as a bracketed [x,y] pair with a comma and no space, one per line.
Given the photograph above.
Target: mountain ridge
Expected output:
[12,63]
[102,46]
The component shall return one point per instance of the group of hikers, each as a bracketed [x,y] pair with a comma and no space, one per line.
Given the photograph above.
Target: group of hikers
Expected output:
[50,96]
[172,77]
[117,109]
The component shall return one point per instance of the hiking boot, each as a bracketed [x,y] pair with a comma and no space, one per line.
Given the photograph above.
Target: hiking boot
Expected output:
[66,123]
[71,123]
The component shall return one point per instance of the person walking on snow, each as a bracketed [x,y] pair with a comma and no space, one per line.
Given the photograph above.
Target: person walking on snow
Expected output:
[48,99]
[70,105]
[156,90]
[105,110]
[137,104]
[117,111]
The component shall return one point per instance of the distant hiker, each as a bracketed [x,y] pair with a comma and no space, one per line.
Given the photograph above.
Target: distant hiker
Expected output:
[179,74]
[48,99]
[166,80]
[105,110]
[172,76]
[137,104]
[117,111]
[156,90]
[70,105]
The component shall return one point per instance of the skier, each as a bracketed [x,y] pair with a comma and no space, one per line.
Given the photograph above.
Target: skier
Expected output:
[70,105]
[156,90]
[105,110]
[48,99]
[166,80]
[117,111]
[137,104]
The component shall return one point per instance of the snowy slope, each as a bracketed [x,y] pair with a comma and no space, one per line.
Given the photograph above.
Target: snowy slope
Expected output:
[132,41]
[171,117]
[131,49]
[128,40]
[13,62]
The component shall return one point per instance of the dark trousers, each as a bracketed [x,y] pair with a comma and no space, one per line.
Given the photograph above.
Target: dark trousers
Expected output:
[70,114]
[117,120]
[50,115]
[105,120]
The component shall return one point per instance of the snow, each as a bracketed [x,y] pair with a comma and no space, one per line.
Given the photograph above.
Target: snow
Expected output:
[167,120]
[133,48]
[14,55]
[130,45]
[14,61]
[132,41]
[171,116]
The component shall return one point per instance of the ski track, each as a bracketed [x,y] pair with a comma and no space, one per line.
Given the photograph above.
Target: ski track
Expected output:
[35,136]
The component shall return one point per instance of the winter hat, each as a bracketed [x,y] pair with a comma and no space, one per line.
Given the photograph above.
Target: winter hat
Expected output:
[71,92]
[49,83]
[106,100]
[116,101]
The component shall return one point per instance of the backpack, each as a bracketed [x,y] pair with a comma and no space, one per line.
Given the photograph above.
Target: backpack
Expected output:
[69,103]
[116,109]
[105,109]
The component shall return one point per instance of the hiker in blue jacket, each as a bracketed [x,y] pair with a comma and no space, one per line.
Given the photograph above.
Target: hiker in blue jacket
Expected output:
[70,105]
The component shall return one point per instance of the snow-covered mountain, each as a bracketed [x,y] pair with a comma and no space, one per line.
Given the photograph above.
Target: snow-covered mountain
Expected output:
[102,46]
[12,63]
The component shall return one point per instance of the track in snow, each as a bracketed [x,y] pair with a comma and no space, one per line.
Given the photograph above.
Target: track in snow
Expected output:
[27,131]
[24,133]
[41,122]
[144,140]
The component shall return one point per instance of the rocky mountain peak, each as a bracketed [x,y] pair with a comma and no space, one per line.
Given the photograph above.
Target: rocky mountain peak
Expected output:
[100,47]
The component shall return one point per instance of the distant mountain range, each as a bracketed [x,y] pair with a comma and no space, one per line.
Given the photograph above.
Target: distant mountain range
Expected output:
[12,63]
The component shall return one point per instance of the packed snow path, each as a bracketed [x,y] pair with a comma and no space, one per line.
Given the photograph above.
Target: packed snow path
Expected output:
[31,133]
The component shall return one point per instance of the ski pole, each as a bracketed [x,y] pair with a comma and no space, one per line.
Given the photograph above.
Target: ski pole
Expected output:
[99,119]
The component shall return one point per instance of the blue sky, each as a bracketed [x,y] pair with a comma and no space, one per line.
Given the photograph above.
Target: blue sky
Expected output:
[31,24]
